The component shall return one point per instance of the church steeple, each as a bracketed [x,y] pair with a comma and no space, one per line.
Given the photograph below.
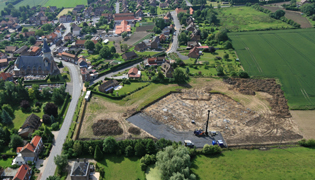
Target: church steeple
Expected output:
[45,48]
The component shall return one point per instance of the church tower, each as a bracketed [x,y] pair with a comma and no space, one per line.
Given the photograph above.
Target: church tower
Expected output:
[46,52]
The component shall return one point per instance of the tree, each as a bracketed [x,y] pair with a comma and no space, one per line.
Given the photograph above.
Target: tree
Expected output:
[16,141]
[47,27]
[21,36]
[6,118]
[98,155]
[113,49]
[187,70]
[182,38]
[150,148]
[8,108]
[24,30]
[89,45]
[226,56]
[39,32]
[220,71]
[61,161]
[77,148]
[124,34]
[32,40]
[278,14]
[46,119]
[46,92]
[51,109]
[152,10]
[6,135]
[212,49]
[53,178]
[171,161]
[243,74]
[221,35]
[31,93]
[208,149]
[98,47]
[129,151]
[139,149]
[228,45]
[308,9]
[25,104]
[105,52]
[86,84]
[109,145]
[179,75]
[124,47]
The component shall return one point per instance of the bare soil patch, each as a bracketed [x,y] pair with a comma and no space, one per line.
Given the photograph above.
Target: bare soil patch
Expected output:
[136,36]
[294,15]
[134,130]
[306,123]
[106,128]
[144,28]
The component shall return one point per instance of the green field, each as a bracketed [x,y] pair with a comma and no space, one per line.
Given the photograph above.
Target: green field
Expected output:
[287,55]
[119,167]
[64,3]
[31,3]
[247,18]
[291,163]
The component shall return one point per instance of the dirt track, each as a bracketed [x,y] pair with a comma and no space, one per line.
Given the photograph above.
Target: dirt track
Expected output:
[294,15]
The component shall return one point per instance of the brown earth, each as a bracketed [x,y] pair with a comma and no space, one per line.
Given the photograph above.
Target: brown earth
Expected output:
[294,15]
[106,127]
[134,130]
[135,37]
[305,121]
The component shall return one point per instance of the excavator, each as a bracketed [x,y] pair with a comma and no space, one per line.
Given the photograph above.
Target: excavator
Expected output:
[201,132]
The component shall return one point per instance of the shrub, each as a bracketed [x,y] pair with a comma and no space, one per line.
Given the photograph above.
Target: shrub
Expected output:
[46,119]
[4,157]
[51,109]
[39,104]
[243,75]
[208,149]
[307,143]
[55,126]
[36,109]
[25,104]
[129,151]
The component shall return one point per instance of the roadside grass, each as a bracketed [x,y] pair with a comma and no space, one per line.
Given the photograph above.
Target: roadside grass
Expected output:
[289,163]
[120,167]
[63,3]
[247,18]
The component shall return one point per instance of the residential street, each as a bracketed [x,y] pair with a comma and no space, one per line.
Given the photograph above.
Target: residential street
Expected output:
[178,30]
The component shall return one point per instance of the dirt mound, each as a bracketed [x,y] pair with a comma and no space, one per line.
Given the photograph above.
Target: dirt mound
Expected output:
[106,127]
[134,130]
[278,102]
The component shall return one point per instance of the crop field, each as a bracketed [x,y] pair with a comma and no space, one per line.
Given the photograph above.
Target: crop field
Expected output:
[290,163]
[287,55]
[64,11]
[64,3]
[247,18]
[31,3]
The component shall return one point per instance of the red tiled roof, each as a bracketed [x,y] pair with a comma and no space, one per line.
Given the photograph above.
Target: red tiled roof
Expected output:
[36,140]
[4,76]
[29,147]
[133,72]
[3,60]
[68,54]
[34,48]
[23,170]
[194,50]
[124,18]
[19,149]
[203,47]
[191,11]
[83,71]
[80,42]
[51,36]
[123,27]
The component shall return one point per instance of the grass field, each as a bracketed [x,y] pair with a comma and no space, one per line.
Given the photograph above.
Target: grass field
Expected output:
[6,163]
[291,163]
[153,173]
[65,4]
[20,118]
[247,18]
[130,87]
[287,55]
[31,3]
[64,11]
[120,167]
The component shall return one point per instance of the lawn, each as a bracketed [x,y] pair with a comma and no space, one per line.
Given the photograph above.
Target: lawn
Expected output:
[120,167]
[291,163]
[247,18]
[153,173]
[31,3]
[6,163]
[65,4]
[287,55]
[127,88]
[64,11]
[20,118]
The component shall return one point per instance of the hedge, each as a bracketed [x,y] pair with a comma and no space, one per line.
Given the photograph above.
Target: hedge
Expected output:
[9,154]
[64,106]
[6,68]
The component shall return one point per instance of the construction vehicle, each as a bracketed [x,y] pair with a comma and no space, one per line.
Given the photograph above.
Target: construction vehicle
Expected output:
[199,132]
[188,143]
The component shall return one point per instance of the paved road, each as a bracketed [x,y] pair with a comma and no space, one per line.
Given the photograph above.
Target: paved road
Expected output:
[117,7]
[159,130]
[188,3]
[178,28]
[76,87]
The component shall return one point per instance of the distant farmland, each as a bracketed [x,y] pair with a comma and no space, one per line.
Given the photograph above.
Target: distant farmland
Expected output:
[65,3]
[31,3]
[287,55]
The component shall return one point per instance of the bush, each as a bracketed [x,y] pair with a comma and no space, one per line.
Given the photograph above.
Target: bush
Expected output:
[25,104]
[129,151]
[4,157]
[307,143]
[46,119]
[243,75]
[51,109]
[55,126]
[209,150]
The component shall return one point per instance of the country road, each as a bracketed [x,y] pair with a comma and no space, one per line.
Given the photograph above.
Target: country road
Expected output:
[177,32]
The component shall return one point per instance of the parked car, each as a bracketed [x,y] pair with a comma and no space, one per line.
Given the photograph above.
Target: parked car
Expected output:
[220,142]
[188,143]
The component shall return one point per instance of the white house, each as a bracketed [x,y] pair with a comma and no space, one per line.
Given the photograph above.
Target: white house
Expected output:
[58,32]
[76,31]
[29,152]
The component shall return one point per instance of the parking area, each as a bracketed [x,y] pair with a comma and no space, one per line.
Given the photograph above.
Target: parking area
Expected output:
[160,130]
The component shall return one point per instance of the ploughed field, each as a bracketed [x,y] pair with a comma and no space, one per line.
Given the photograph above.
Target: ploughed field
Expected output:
[285,54]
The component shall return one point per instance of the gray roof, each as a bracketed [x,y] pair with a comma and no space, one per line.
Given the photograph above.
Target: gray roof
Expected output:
[45,48]
[9,172]
[23,62]
[80,169]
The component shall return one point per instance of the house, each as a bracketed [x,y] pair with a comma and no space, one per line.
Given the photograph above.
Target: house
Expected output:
[169,15]
[9,173]
[68,57]
[123,27]
[129,17]
[79,43]
[76,31]
[193,53]
[167,70]
[10,49]
[82,63]
[85,74]
[6,76]
[304,2]
[108,86]
[80,170]
[191,11]
[155,42]
[22,51]
[139,13]
[134,73]
[109,16]
[3,62]
[52,8]
[38,43]
[190,27]
[141,47]
[194,37]
[68,37]
[180,10]
[166,31]
[166,19]
[152,3]
[29,152]
[163,5]
[36,65]
[51,38]
[129,55]
[23,173]
[31,124]
[191,44]
[65,18]
[34,50]
[3,55]
[58,33]
[162,38]
[154,61]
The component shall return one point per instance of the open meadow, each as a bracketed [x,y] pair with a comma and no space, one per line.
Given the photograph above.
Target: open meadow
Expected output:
[64,11]
[285,54]
[65,4]
[290,163]
[31,3]
[247,18]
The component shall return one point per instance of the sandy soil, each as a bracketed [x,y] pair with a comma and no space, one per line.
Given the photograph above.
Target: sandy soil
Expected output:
[306,123]
[294,15]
